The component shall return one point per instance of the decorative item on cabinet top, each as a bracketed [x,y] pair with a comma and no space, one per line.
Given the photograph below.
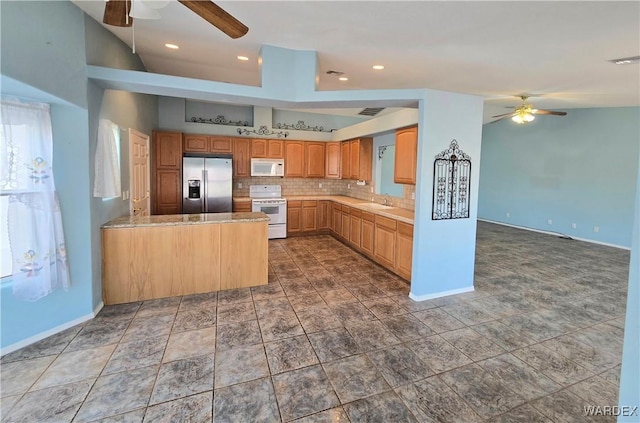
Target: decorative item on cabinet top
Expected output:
[301,126]
[263,131]
[451,184]
[220,120]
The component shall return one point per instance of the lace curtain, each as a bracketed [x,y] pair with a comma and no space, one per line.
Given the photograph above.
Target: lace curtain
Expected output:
[35,222]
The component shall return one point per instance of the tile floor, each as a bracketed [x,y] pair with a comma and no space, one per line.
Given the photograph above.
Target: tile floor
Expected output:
[333,337]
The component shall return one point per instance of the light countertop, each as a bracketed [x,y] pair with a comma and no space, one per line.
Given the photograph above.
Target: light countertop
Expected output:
[402,215]
[185,219]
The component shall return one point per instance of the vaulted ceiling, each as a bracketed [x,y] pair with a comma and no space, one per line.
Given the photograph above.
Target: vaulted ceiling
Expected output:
[557,52]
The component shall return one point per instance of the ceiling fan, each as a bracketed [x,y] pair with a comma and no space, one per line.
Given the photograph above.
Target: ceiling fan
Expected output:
[525,113]
[122,12]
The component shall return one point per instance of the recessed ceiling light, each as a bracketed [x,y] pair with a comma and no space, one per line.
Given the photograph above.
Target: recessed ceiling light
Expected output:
[343,78]
[626,60]
[244,58]
[171,46]
[378,67]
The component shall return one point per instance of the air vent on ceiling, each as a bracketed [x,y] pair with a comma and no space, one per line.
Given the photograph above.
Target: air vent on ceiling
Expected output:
[371,111]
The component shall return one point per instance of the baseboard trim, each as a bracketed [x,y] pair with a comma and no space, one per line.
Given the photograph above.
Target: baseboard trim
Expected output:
[42,335]
[556,234]
[426,297]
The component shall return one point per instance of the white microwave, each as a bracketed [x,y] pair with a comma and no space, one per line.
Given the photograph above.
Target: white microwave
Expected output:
[267,167]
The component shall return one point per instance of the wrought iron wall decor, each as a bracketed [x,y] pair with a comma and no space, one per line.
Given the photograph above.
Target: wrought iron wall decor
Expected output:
[220,120]
[451,184]
[301,126]
[264,131]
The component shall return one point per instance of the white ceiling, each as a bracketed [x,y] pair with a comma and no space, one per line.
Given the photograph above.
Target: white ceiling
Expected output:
[556,51]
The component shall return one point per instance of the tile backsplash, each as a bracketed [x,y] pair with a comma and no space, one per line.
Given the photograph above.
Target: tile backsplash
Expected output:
[311,186]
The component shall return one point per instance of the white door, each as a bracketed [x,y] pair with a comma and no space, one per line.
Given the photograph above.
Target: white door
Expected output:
[139,173]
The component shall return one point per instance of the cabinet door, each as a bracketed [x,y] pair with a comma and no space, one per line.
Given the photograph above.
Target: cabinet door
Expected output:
[367,240]
[323,215]
[314,159]
[406,156]
[354,152]
[275,149]
[241,157]
[220,145]
[404,250]
[196,143]
[345,160]
[168,198]
[332,160]
[365,158]
[309,216]
[345,223]
[259,148]
[337,219]
[355,230]
[294,159]
[167,150]
[294,217]
[385,241]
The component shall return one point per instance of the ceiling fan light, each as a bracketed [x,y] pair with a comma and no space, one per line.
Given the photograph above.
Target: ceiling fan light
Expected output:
[139,10]
[517,119]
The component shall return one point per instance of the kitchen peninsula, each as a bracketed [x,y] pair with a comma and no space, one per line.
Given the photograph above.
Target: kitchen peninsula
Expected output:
[149,257]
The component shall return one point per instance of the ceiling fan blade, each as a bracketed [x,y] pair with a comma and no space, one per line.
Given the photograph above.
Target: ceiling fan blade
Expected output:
[217,16]
[549,112]
[503,115]
[115,13]
[502,118]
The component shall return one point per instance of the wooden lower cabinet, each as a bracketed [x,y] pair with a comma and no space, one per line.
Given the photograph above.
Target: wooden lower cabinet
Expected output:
[324,214]
[385,241]
[294,217]
[346,220]
[337,219]
[366,238]
[241,206]
[355,228]
[404,249]
[309,216]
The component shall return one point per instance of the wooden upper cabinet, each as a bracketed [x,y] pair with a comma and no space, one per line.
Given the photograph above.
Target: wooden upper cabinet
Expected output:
[361,158]
[196,143]
[345,160]
[241,157]
[406,156]
[332,160]
[294,159]
[167,150]
[314,159]
[207,144]
[220,144]
[272,149]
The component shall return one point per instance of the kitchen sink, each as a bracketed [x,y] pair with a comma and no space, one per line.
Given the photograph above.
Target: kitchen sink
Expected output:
[377,206]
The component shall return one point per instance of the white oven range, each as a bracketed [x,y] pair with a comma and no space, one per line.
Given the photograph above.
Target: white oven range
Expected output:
[268,199]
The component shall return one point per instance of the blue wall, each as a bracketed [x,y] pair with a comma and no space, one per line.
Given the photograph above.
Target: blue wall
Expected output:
[48,63]
[576,169]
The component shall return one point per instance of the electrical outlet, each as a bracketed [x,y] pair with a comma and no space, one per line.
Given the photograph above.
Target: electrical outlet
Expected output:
[348,186]
[508,214]
[413,195]
[371,190]
[239,185]
[573,226]
[596,229]
[550,222]
[320,185]
[124,195]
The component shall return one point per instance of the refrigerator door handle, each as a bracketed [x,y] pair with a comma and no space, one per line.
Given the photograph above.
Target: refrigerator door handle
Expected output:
[205,205]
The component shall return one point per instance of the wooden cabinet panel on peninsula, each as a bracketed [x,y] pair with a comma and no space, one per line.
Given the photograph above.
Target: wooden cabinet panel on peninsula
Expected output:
[267,149]
[167,172]
[406,156]
[332,160]
[241,157]
[294,159]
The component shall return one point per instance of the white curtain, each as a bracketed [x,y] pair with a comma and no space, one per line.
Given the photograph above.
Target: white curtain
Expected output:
[35,222]
[107,176]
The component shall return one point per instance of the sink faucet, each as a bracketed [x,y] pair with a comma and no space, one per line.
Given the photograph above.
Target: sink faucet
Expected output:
[386,202]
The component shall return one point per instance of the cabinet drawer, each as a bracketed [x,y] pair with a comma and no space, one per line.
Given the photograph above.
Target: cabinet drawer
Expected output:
[337,206]
[346,210]
[294,203]
[309,203]
[385,222]
[356,213]
[405,229]
[367,216]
